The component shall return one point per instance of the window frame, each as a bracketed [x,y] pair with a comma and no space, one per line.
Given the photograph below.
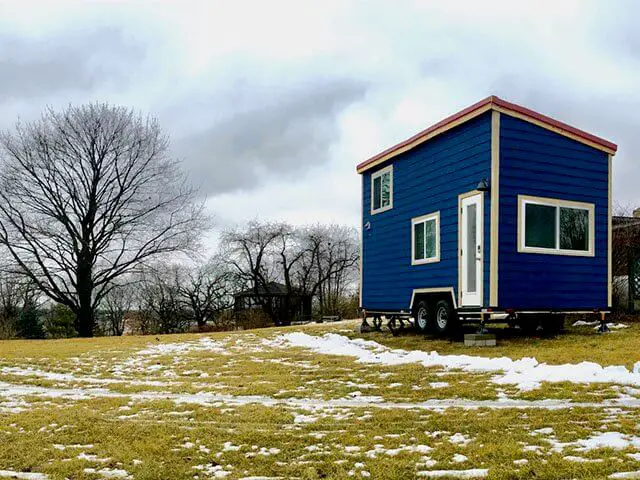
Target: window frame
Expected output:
[524,200]
[422,219]
[379,173]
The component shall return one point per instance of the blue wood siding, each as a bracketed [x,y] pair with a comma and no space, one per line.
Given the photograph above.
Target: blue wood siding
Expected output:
[426,179]
[535,161]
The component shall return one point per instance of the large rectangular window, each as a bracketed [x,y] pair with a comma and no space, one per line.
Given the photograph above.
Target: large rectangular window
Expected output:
[382,190]
[559,227]
[425,239]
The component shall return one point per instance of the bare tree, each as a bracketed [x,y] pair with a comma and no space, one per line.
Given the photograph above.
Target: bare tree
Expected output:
[329,268]
[161,300]
[207,290]
[86,196]
[16,295]
[318,260]
[116,303]
[249,253]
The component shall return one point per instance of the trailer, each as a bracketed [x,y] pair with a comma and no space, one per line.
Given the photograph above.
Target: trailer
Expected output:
[496,213]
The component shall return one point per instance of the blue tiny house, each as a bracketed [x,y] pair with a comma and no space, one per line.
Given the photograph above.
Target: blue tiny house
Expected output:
[495,211]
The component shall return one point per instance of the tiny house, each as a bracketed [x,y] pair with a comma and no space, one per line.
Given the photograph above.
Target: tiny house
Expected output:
[494,212]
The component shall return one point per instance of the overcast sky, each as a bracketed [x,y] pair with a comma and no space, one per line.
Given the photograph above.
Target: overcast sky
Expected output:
[272,104]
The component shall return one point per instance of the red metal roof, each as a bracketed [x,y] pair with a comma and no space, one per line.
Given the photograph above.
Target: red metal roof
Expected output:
[491,103]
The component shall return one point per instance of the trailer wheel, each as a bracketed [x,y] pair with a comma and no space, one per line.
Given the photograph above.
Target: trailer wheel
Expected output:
[421,316]
[444,318]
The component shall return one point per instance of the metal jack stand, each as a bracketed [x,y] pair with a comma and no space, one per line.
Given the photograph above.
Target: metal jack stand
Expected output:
[482,329]
[603,328]
[365,327]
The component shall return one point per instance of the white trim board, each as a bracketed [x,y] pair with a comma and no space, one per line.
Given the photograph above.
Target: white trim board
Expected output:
[418,291]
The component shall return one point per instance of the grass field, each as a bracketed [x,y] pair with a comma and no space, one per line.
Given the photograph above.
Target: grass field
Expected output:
[321,401]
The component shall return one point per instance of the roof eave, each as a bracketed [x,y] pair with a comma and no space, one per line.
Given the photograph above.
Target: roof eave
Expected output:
[489,103]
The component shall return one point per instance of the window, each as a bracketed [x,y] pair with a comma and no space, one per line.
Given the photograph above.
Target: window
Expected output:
[425,239]
[382,190]
[559,227]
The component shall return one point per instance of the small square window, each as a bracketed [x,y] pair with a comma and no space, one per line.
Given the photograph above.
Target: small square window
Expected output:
[425,240]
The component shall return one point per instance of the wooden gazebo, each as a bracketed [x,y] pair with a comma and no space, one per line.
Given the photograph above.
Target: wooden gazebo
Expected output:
[276,300]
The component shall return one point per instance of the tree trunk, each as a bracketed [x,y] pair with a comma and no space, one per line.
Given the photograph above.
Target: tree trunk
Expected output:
[84,318]
[85,313]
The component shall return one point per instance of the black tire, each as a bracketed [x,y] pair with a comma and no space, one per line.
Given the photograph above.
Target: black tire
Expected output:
[445,319]
[421,317]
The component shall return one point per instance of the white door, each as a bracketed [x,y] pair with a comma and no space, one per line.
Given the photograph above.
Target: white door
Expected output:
[471,250]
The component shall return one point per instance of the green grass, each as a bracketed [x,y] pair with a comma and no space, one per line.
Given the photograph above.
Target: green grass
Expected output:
[131,426]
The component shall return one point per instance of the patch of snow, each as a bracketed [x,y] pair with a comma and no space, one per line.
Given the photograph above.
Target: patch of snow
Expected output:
[582,323]
[230,447]
[459,458]
[259,478]
[438,384]
[299,418]
[471,473]
[616,326]
[109,472]
[571,458]
[215,471]
[526,373]
[542,431]
[635,474]
[521,461]
[613,440]
[392,452]
[459,439]
[91,458]
[57,446]
[23,475]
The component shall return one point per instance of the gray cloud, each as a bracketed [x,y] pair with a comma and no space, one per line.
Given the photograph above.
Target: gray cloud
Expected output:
[282,135]
[79,61]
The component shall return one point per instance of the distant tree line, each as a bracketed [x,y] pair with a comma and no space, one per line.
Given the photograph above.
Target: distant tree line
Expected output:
[321,260]
[101,231]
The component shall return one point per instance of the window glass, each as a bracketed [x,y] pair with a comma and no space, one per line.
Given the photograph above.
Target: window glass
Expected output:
[430,238]
[418,241]
[540,226]
[574,229]
[471,248]
[385,194]
[377,182]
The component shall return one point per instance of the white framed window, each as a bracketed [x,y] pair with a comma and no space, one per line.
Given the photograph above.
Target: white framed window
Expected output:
[556,227]
[425,239]
[382,190]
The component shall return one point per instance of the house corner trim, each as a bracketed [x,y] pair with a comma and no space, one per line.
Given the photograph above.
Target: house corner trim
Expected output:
[495,208]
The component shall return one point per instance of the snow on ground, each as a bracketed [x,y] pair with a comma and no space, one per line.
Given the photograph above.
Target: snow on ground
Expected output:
[210,399]
[23,475]
[526,373]
[471,473]
[109,472]
[635,474]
